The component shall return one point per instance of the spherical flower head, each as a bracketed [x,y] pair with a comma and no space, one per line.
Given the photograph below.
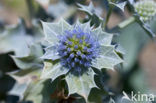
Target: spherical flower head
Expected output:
[77,49]
[146,9]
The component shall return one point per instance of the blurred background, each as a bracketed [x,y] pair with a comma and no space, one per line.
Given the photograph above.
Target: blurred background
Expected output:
[138,72]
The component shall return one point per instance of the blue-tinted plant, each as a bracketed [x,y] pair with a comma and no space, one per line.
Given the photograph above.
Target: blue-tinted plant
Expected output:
[95,14]
[143,13]
[146,9]
[73,61]
[74,50]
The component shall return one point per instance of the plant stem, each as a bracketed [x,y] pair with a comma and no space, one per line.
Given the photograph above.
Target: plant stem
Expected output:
[108,16]
[148,30]
[126,22]
[30,8]
[146,27]
[132,19]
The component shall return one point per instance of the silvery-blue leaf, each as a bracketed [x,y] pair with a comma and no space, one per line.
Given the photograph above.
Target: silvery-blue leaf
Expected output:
[51,53]
[103,37]
[40,92]
[18,89]
[81,83]
[29,86]
[53,30]
[23,79]
[9,40]
[85,26]
[91,10]
[31,60]
[120,49]
[16,39]
[53,70]
[107,59]
[119,5]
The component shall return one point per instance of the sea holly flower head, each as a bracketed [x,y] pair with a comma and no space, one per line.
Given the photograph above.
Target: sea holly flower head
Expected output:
[146,9]
[73,51]
[78,48]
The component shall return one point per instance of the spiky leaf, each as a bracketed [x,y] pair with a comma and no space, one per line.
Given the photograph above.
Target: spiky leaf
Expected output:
[9,40]
[31,60]
[108,58]
[23,79]
[93,12]
[90,9]
[51,53]
[103,37]
[40,92]
[120,5]
[81,83]
[53,70]
[16,39]
[53,30]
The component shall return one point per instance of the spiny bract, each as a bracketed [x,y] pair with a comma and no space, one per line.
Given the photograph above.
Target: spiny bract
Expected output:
[146,9]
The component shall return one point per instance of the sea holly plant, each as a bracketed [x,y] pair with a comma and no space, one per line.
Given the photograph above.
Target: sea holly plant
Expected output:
[72,63]
[30,66]
[93,13]
[143,13]
[146,9]
[96,17]
[73,53]
[28,85]
[9,39]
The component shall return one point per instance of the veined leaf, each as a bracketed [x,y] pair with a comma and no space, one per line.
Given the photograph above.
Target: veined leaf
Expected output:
[108,58]
[23,79]
[15,39]
[53,70]
[40,92]
[81,83]
[93,12]
[53,30]
[32,60]
[103,37]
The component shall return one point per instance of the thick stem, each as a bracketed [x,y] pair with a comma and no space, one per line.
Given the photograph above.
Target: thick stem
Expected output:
[146,27]
[126,22]
[30,8]
[108,16]
[148,31]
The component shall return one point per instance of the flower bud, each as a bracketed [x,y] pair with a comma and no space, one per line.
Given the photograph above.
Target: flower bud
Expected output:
[146,9]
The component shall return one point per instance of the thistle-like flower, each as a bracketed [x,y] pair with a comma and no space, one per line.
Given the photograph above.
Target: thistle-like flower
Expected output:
[78,48]
[73,51]
[146,9]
